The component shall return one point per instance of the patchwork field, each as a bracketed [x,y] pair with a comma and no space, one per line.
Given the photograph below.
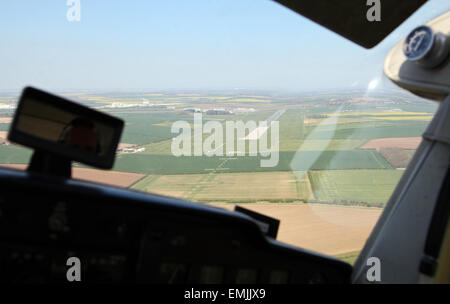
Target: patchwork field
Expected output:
[311,141]
[345,187]
[327,229]
[288,161]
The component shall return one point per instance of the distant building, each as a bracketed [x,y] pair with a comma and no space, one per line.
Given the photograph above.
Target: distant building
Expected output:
[218,112]
[4,141]
[130,150]
[192,110]
[244,109]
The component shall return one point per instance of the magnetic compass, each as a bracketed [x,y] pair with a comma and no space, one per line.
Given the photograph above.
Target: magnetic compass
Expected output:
[425,47]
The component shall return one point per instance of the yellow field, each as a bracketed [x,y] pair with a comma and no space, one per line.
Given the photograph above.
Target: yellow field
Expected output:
[377,113]
[341,120]
[253,186]
[248,100]
[163,124]
[215,97]
[327,229]
[424,118]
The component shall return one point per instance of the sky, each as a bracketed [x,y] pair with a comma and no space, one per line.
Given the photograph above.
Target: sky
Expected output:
[190,44]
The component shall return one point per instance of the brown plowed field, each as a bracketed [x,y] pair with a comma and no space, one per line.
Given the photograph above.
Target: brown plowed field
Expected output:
[323,228]
[409,143]
[398,158]
[113,178]
[5,120]
[125,145]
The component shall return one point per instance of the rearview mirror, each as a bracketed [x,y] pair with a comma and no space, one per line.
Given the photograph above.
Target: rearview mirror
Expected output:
[52,124]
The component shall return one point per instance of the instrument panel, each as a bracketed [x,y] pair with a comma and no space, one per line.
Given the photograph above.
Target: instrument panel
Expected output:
[124,236]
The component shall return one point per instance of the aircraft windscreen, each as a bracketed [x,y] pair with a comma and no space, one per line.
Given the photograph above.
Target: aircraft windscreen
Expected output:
[225,103]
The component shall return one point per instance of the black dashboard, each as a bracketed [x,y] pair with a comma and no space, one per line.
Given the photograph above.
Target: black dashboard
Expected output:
[124,236]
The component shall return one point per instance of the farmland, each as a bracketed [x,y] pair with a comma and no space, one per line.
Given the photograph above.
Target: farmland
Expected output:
[363,186]
[143,128]
[247,187]
[334,230]
[14,154]
[5,120]
[335,149]
[3,135]
[410,143]
[370,130]
[398,158]
[301,160]
[332,143]
[112,178]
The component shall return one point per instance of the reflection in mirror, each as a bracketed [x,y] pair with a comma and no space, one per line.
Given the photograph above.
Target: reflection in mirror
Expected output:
[56,125]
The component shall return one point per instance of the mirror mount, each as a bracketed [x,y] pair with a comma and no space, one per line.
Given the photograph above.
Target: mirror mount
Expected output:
[50,164]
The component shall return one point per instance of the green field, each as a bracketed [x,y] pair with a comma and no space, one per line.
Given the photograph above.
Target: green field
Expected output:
[14,154]
[367,131]
[349,257]
[143,128]
[368,186]
[288,161]
[338,160]
[229,187]
[319,144]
